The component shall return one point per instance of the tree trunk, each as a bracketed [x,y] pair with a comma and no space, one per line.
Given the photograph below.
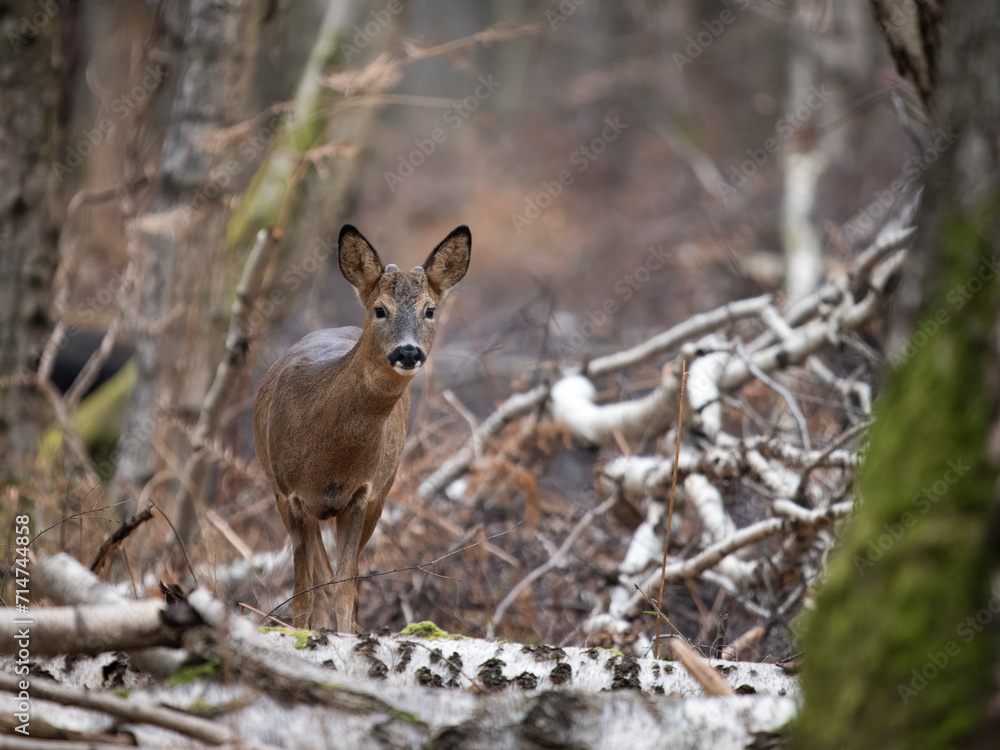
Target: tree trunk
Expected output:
[829,50]
[184,233]
[909,595]
[28,255]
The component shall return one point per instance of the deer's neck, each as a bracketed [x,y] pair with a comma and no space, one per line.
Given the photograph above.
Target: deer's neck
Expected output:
[366,385]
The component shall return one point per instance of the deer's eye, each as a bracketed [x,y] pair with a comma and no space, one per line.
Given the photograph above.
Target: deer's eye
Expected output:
[379,312]
[429,312]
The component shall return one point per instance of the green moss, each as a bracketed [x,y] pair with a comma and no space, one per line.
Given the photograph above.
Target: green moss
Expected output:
[892,660]
[188,675]
[201,706]
[430,631]
[408,717]
[302,636]
[123,692]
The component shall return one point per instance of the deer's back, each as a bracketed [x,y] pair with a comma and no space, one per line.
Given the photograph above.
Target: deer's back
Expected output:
[291,390]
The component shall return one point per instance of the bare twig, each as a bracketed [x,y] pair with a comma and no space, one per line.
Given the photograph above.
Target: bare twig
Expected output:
[516,406]
[522,403]
[817,460]
[696,666]
[694,327]
[745,537]
[544,568]
[282,623]
[72,437]
[121,533]
[793,405]
[670,512]
[496,33]
[92,367]
[365,576]
[468,416]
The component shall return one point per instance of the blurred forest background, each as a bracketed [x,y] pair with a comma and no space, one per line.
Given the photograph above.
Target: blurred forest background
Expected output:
[623,166]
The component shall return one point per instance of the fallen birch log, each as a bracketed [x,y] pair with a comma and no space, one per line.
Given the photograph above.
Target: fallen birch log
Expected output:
[426,717]
[64,581]
[88,629]
[319,689]
[497,666]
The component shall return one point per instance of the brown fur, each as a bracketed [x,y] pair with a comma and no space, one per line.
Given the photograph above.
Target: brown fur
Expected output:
[330,419]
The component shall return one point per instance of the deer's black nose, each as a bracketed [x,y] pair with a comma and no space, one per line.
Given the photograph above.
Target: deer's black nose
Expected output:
[407,357]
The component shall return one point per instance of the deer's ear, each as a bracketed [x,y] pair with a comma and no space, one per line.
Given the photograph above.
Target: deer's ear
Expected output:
[448,262]
[359,262]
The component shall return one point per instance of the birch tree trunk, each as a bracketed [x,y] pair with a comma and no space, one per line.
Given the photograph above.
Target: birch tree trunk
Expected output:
[829,52]
[28,256]
[909,599]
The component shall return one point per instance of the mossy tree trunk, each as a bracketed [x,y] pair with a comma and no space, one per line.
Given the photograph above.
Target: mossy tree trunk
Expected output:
[901,651]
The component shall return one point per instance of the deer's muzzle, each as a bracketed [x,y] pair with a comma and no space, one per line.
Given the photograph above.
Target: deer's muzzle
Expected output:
[407,357]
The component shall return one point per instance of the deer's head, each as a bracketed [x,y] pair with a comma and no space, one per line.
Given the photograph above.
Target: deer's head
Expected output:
[401,305]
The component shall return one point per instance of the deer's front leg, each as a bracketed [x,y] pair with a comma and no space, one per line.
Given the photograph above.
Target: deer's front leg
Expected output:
[310,608]
[350,525]
[295,522]
[322,573]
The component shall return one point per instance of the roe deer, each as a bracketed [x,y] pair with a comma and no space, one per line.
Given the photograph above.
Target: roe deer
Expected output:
[330,418]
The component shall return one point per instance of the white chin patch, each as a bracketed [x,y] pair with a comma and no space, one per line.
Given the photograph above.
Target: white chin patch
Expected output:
[407,371]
